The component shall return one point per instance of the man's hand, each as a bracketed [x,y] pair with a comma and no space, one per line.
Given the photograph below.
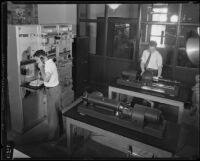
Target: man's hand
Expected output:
[141,73]
[155,78]
[40,65]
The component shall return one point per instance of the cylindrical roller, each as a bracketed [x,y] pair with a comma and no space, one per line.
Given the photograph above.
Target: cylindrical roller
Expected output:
[102,101]
[138,117]
[152,115]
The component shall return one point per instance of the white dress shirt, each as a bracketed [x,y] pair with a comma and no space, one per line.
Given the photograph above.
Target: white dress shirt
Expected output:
[51,68]
[155,60]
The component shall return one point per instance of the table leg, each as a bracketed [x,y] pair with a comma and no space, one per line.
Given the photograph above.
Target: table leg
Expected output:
[109,93]
[117,96]
[180,114]
[69,136]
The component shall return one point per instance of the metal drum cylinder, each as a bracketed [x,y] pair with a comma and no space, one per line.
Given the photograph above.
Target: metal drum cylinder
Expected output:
[102,101]
[138,115]
[152,115]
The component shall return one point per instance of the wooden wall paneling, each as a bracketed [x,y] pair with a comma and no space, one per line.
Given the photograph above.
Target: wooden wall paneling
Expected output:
[100,36]
[110,38]
[167,71]
[186,75]
[81,64]
[96,69]
[115,66]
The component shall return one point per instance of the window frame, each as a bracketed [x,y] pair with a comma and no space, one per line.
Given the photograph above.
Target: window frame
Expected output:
[178,24]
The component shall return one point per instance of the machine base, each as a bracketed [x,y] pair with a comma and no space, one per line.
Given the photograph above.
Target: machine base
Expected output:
[102,114]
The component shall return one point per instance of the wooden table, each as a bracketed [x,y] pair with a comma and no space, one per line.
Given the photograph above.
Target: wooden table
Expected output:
[177,101]
[122,137]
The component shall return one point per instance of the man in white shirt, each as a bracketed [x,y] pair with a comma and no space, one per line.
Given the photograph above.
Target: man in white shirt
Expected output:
[50,77]
[152,60]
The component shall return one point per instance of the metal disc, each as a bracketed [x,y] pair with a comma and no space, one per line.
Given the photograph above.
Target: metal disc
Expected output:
[192,49]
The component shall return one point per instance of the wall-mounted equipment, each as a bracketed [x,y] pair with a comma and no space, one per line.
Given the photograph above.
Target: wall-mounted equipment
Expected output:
[28,71]
[23,42]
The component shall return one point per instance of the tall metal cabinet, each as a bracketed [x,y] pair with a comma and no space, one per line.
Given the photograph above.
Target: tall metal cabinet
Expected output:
[28,107]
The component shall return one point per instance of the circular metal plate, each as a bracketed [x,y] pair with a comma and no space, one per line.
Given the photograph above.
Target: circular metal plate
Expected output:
[192,49]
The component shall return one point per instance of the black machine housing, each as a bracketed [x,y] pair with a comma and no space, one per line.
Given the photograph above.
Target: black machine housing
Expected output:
[139,118]
[133,79]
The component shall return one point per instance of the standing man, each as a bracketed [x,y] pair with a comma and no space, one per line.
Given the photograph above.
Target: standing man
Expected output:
[49,75]
[151,60]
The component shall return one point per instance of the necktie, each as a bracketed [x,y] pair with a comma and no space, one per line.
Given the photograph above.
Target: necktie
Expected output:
[147,62]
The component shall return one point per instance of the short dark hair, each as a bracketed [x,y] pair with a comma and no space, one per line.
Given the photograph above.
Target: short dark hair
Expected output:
[153,43]
[39,53]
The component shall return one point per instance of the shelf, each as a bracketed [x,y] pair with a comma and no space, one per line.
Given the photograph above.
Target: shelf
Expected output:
[25,62]
[169,23]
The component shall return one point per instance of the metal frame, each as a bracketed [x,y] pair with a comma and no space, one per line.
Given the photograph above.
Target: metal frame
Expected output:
[118,91]
[121,140]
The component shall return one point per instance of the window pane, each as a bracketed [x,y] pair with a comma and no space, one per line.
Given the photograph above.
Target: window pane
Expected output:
[159,17]
[157,34]
[149,12]
[166,32]
[173,9]
[157,30]
[96,10]
[124,10]
[160,10]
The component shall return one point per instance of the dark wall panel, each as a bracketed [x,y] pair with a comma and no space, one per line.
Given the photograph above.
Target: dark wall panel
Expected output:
[186,75]
[80,65]
[114,67]
[96,69]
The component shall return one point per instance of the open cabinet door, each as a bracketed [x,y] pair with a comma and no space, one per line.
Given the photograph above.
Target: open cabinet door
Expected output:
[80,65]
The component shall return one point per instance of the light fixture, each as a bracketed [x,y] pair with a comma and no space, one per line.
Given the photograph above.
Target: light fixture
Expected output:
[113,6]
[198,30]
[174,18]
